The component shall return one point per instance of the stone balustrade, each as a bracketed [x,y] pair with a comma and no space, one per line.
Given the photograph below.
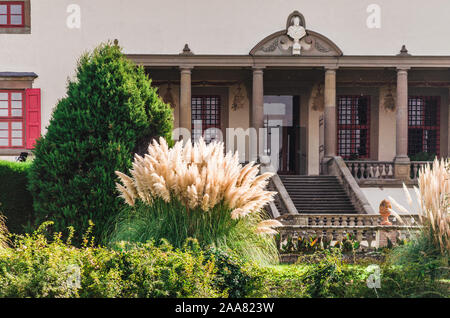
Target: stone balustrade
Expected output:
[367,236]
[363,170]
[346,220]
[415,168]
[366,229]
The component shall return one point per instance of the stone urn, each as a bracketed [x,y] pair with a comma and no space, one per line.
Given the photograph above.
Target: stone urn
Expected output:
[385,205]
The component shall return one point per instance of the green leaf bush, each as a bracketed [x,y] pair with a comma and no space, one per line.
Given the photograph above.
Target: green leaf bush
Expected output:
[35,266]
[110,112]
[235,276]
[329,276]
[16,202]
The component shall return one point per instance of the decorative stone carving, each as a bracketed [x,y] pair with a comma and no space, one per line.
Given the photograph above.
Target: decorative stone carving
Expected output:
[169,94]
[296,40]
[186,50]
[388,98]
[239,99]
[403,51]
[316,101]
[168,97]
[296,32]
[385,205]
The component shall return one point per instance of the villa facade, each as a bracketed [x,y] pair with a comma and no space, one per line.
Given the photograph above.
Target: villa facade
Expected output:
[373,90]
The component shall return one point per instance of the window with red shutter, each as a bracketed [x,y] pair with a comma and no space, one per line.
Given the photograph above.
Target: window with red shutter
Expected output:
[12,119]
[33,116]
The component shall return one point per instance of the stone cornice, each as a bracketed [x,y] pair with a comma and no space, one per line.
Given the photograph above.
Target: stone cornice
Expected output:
[247,61]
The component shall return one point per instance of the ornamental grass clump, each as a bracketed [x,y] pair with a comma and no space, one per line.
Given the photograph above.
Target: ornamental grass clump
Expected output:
[434,186]
[433,200]
[197,191]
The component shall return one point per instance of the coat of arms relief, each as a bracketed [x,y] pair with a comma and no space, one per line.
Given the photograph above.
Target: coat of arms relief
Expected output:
[296,40]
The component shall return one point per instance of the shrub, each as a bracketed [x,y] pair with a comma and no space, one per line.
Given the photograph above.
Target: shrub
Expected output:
[4,234]
[109,110]
[282,281]
[328,276]
[38,267]
[423,156]
[197,191]
[422,256]
[234,276]
[16,202]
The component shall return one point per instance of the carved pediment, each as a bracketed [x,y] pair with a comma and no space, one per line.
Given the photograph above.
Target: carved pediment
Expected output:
[296,40]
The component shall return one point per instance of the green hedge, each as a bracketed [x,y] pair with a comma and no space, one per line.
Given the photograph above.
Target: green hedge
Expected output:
[37,267]
[333,278]
[16,202]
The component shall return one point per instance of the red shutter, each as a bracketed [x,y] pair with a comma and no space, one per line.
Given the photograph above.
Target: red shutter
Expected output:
[33,118]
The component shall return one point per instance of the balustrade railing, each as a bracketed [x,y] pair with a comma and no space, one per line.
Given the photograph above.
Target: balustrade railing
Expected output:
[365,170]
[415,168]
[346,220]
[366,229]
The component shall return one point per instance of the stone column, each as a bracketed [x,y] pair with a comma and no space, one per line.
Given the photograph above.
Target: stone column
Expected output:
[257,109]
[185,98]
[402,163]
[330,140]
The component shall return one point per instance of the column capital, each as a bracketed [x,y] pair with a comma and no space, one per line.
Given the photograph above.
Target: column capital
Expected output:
[186,68]
[403,69]
[258,68]
[331,68]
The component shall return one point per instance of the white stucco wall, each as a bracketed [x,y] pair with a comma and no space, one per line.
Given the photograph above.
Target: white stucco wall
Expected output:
[376,195]
[210,27]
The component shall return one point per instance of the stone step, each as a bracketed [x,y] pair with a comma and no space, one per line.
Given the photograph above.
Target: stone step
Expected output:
[318,194]
[331,208]
[327,212]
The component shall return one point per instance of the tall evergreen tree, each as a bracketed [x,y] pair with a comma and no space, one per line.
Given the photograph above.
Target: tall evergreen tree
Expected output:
[110,109]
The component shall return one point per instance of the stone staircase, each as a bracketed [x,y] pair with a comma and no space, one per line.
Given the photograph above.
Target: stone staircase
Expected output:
[317,195]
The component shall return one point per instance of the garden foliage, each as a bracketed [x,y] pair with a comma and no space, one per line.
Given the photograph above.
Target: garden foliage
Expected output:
[39,267]
[16,202]
[110,110]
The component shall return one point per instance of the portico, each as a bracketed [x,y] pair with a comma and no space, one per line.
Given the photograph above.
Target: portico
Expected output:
[363,108]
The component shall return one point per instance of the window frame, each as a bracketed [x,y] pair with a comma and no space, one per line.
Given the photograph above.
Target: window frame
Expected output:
[423,125]
[8,14]
[11,119]
[204,105]
[352,127]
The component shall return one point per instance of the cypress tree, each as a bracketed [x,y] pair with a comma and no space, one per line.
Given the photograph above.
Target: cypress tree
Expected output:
[109,112]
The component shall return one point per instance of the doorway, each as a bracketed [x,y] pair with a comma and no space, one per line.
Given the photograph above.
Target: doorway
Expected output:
[282,123]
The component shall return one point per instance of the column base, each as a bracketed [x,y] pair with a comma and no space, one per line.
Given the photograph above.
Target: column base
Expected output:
[402,167]
[324,165]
